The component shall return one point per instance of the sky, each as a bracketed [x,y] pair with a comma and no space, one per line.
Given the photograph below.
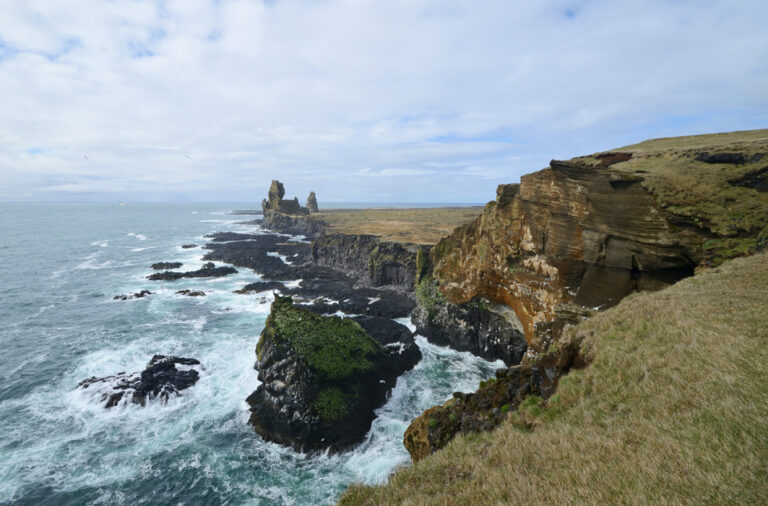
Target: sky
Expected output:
[360,101]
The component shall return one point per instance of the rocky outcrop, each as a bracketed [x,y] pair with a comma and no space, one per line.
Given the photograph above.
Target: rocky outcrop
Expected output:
[368,260]
[166,265]
[323,377]
[191,293]
[160,380]
[208,270]
[137,295]
[287,216]
[484,328]
[312,203]
[188,246]
[527,385]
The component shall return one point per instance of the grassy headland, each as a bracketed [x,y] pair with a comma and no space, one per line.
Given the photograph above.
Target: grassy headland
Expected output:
[416,226]
[672,409]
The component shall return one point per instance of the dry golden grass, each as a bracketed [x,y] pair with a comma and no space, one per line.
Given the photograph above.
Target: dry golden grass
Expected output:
[416,226]
[672,410]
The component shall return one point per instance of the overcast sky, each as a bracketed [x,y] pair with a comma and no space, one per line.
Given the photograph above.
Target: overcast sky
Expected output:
[375,101]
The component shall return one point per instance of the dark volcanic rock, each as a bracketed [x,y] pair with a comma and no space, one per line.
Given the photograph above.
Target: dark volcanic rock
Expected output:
[231,236]
[369,261]
[486,329]
[191,293]
[160,379]
[322,377]
[261,286]
[732,158]
[208,270]
[137,295]
[255,254]
[166,265]
[188,246]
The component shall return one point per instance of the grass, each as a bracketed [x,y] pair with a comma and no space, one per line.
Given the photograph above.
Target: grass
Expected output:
[673,409]
[335,348]
[412,226]
[700,192]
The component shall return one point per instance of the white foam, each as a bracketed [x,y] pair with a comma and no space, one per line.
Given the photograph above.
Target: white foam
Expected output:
[140,237]
[293,284]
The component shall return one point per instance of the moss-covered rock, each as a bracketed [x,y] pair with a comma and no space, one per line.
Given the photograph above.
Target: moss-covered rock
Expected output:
[323,376]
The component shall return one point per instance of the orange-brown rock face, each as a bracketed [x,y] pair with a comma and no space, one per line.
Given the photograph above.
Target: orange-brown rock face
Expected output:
[568,233]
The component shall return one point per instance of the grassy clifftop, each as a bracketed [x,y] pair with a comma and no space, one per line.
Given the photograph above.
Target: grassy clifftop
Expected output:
[672,409]
[718,182]
[415,226]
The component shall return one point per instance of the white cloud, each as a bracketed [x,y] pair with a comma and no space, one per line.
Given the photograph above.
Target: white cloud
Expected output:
[431,100]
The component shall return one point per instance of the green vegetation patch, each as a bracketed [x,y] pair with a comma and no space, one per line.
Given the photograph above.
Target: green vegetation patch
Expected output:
[332,404]
[335,348]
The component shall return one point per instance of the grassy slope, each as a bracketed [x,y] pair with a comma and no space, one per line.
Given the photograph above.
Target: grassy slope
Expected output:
[417,226]
[672,409]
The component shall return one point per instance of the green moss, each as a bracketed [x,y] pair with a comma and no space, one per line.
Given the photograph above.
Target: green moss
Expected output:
[335,348]
[429,296]
[331,404]
[432,423]
[505,408]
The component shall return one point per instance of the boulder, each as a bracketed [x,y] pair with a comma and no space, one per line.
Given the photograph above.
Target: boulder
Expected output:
[191,293]
[322,377]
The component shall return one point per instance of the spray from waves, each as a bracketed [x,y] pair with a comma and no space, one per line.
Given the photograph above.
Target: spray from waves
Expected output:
[140,237]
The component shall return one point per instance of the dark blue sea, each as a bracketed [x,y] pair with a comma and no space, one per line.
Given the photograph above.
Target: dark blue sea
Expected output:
[61,265]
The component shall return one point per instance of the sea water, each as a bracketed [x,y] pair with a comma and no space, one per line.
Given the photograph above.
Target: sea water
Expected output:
[62,264]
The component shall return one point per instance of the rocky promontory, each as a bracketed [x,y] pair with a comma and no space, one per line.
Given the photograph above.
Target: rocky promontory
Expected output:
[322,377]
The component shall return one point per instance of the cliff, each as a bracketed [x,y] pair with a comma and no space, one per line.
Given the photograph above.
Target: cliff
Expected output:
[584,233]
[670,410]
[369,260]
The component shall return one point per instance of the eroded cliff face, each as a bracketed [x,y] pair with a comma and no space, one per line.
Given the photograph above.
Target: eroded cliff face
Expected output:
[567,234]
[369,260]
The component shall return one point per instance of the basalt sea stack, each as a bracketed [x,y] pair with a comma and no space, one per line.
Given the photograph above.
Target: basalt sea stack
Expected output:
[323,376]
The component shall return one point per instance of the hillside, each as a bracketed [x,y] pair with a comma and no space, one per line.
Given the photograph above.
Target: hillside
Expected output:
[671,409]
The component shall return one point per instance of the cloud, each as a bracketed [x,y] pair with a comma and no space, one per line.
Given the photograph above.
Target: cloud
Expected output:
[406,100]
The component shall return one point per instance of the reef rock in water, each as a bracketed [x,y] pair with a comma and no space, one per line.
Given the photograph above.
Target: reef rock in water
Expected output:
[323,376]
[160,379]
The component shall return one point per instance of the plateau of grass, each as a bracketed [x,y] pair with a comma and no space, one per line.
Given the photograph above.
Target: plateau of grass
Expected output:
[703,193]
[414,226]
[673,409]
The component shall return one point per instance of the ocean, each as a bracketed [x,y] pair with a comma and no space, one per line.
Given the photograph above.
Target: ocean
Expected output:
[62,264]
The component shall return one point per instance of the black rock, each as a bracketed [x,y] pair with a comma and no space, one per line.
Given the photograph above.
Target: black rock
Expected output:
[188,246]
[166,265]
[160,379]
[208,270]
[322,378]
[261,286]
[137,295]
[191,293]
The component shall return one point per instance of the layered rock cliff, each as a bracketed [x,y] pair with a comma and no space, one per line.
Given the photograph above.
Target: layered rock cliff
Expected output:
[586,232]
[575,237]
